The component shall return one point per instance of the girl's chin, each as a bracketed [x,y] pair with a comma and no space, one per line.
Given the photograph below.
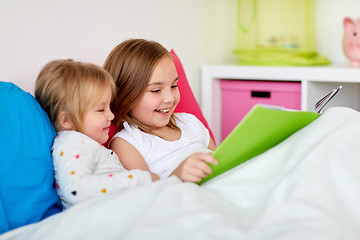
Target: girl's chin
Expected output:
[102,141]
[159,125]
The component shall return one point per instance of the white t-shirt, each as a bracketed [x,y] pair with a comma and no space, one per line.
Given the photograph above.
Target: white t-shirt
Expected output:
[85,169]
[161,156]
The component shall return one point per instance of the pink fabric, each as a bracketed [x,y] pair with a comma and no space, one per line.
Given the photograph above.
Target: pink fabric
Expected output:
[187,102]
[112,132]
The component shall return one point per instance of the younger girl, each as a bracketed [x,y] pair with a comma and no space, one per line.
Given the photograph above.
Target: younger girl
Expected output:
[151,136]
[76,97]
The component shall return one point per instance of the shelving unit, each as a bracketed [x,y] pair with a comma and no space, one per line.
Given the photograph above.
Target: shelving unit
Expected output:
[315,83]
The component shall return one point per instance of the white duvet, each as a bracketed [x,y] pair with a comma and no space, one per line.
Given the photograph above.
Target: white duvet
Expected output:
[307,187]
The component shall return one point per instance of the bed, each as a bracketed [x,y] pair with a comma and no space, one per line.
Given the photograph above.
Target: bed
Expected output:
[306,187]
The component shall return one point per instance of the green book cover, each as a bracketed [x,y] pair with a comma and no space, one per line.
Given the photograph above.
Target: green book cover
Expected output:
[261,129]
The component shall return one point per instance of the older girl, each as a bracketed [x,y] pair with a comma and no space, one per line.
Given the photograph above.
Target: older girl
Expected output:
[151,136]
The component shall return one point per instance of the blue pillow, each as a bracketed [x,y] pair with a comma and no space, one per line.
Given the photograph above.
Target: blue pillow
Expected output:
[27,192]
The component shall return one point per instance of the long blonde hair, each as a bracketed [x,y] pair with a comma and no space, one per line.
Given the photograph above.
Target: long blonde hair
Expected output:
[131,65]
[74,87]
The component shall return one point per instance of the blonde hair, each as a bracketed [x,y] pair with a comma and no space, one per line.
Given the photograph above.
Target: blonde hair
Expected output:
[73,87]
[131,65]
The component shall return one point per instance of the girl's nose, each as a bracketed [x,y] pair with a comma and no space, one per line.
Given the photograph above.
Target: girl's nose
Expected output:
[168,97]
[111,116]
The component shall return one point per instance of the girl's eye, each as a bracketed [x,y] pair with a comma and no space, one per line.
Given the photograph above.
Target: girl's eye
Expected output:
[174,86]
[100,110]
[155,90]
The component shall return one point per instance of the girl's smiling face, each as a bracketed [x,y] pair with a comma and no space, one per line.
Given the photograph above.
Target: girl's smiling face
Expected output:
[160,98]
[97,120]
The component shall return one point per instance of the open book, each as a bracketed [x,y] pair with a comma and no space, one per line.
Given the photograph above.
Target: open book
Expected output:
[261,129]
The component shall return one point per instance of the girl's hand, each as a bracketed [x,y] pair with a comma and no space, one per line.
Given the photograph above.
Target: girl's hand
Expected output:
[154,177]
[195,167]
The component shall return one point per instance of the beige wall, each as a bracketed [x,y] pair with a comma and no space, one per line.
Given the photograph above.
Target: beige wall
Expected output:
[37,31]
[201,32]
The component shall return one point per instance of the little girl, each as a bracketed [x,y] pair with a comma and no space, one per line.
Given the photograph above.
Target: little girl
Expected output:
[76,97]
[151,136]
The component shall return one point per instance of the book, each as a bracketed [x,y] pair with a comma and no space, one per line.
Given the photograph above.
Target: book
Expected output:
[262,128]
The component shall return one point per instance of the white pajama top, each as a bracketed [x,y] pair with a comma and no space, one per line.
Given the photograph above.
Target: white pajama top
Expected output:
[161,156]
[85,169]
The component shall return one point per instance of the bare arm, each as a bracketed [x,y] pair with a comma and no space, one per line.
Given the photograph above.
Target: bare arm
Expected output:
[129,156]
[212,144]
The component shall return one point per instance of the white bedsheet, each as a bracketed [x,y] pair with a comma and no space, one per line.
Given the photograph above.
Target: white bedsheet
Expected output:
[307,187]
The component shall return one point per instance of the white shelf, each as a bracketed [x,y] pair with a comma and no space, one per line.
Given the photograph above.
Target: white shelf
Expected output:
[315,82]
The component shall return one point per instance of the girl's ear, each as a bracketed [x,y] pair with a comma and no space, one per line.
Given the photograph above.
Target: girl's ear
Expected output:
[64,121]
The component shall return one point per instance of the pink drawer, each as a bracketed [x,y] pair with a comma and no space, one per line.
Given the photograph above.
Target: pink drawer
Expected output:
[239,96]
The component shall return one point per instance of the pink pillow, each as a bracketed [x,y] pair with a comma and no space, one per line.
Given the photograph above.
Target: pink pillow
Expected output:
[112,132]
[187,102]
